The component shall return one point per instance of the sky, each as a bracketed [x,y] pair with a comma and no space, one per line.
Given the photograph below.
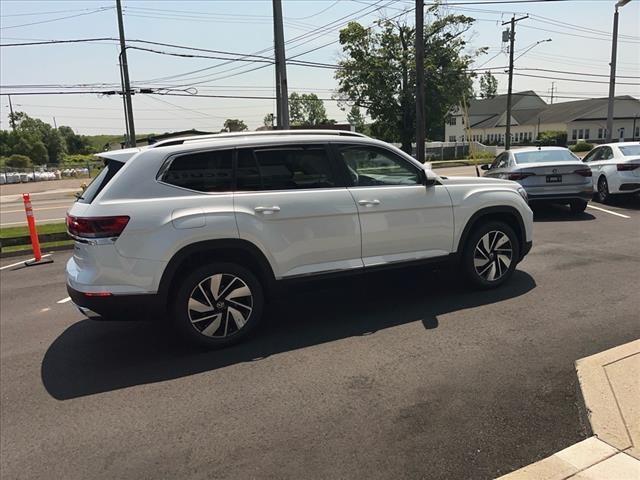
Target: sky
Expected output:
[580,31]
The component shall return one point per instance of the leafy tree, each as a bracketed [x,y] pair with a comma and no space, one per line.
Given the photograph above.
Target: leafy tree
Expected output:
[269,120]
[234,125]
[18,161]
[355,118]
[75,144]
[488,85]
[33,134]
[307,110]
[378,73]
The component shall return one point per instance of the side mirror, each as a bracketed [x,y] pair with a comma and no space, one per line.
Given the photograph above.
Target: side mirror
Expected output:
[486,166]
[428,178]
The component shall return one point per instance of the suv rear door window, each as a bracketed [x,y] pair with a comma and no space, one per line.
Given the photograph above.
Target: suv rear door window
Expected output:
[202,171]
[369,166]
[111,167]
[285,168]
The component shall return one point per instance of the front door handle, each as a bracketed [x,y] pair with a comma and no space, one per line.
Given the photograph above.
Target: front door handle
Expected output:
[368,203]
[267,210]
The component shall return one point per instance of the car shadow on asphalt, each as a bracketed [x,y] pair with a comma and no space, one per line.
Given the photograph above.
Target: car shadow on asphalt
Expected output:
[558,213]
[92,357]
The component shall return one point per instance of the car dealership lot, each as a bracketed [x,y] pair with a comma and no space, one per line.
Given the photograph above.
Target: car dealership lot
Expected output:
[403,374]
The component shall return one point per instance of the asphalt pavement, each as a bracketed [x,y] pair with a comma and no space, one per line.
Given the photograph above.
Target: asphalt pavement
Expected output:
[403,374]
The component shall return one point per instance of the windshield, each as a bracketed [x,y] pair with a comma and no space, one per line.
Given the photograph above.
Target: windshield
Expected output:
[630,150]
[545,156]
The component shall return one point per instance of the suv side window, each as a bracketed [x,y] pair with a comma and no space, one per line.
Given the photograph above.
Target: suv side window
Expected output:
[201,171]
[285,168]
[369,166]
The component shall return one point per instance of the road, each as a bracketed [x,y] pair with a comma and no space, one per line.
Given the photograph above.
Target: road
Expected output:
[406,374]
[51,200]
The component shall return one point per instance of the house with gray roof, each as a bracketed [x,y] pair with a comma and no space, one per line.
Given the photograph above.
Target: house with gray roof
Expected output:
[485,119]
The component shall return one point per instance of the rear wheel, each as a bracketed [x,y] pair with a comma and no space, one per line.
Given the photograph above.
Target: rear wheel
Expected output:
[491,254]
[603,194]
[218,304]
[578,206]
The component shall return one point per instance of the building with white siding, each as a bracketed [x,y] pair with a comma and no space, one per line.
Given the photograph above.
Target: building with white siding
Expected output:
[530,115]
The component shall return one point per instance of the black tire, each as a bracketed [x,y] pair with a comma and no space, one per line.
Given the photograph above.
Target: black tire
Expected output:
[232,318]
[602,194]
[578,206]
[469,256]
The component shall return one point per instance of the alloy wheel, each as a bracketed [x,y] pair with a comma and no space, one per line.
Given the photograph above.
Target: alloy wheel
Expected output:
[603,189]
[220,305]
[493,255]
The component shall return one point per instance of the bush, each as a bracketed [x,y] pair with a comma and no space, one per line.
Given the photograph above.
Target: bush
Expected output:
[581,147]
[18,161]
[553,138]
[79,158]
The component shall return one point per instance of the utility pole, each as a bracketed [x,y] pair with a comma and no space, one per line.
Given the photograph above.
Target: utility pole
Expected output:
[11,118]
[125,75]
[420,107]
[612,75]
[282,90]
[55,125]
[512,39]
[553,84]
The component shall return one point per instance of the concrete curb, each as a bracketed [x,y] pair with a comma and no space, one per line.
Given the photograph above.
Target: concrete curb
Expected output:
[610,385]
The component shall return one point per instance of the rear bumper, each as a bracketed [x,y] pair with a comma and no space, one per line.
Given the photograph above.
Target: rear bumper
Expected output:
[554,197]
[118,307]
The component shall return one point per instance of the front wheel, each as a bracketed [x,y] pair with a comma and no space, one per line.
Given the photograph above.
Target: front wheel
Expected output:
[218,304]
[491,254]
[578,206]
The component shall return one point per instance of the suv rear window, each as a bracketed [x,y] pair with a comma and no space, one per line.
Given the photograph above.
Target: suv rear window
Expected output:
[203,171]
[111,167]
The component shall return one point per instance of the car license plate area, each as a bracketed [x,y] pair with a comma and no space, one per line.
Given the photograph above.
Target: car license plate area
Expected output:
[554,178]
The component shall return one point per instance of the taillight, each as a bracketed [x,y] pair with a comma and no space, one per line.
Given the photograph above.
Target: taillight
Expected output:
[625,167]
[96,227]
[519,175]
[585,172]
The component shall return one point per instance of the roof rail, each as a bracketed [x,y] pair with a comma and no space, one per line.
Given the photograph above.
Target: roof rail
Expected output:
[222,136]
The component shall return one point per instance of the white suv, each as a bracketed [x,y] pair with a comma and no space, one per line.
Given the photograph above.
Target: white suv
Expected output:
[205,228]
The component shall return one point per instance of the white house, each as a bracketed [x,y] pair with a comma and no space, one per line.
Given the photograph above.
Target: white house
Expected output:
[530,115]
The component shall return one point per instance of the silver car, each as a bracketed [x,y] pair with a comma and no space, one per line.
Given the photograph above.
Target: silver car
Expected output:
[548,174]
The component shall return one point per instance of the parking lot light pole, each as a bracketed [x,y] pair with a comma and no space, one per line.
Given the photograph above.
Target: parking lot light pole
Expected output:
[612,75]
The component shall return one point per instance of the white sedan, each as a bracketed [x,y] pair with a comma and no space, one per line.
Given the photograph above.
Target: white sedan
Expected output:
[616,169]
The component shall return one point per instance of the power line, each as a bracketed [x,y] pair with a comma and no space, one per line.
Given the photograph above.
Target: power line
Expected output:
[99,10]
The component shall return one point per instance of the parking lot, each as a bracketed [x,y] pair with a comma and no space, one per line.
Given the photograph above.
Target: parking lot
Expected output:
[403,374]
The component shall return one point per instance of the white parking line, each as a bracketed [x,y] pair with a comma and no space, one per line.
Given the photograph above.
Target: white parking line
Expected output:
[22,262]
[64,300]
[608,211]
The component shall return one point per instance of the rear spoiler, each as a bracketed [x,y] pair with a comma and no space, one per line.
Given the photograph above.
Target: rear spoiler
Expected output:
[119,155]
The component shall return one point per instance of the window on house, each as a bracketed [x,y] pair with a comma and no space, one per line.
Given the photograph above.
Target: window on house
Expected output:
[636,133]
[574,134]
[586,133]
[600,132]
[581,133]
[452,138]
[452,120]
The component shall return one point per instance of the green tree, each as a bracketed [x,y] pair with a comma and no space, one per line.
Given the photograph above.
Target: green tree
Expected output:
[377,72]
[18,161]
[355,118]
[488,85]
[234,125]
[33,134]
[75,144]
[268,120]
[307,110]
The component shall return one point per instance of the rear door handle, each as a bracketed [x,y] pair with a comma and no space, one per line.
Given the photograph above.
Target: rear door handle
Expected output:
[368,203]
[267,210]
